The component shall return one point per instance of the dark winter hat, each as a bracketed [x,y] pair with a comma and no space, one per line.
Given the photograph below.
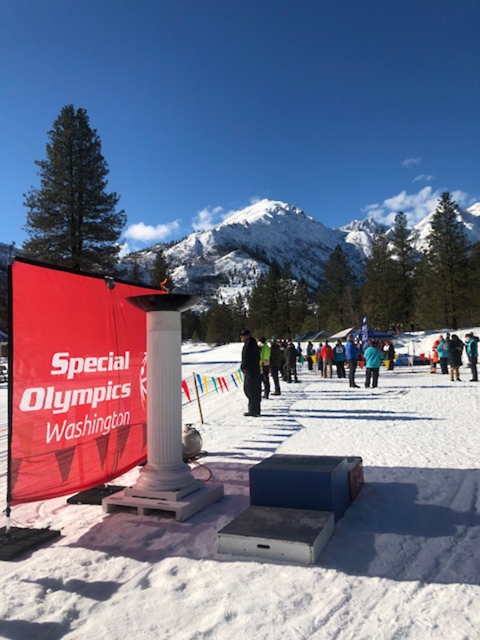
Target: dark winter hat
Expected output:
[245,332]
[263,339]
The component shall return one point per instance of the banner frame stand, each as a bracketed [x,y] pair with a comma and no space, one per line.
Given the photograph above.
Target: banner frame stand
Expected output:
[95,495]
[15,541]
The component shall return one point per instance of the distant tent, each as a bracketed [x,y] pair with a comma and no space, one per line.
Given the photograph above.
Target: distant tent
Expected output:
[341,335]
[312,336]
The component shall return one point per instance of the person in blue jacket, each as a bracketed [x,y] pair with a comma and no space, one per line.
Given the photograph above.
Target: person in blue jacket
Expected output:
[472,353]
[373,360]
[351,353]
[339,359]
[443,354]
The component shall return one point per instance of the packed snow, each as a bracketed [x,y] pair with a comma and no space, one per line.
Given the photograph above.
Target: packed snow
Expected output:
[403,562]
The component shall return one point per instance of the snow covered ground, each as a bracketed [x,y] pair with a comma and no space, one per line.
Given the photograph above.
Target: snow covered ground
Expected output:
[404,561]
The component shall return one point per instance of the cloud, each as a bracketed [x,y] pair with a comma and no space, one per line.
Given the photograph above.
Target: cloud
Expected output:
[415,205]
[207,218]
[141,232]
[411,162]
[423,177]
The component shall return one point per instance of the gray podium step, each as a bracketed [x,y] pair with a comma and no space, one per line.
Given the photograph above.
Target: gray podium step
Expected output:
[277,533]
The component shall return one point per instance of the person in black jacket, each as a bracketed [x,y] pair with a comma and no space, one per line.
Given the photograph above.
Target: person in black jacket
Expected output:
[454,349]
[250,366]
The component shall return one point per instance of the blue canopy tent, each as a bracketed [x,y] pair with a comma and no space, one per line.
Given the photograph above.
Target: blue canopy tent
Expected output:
[374,335]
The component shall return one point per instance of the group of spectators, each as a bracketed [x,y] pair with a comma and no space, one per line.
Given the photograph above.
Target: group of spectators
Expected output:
[278,359]
[447,352]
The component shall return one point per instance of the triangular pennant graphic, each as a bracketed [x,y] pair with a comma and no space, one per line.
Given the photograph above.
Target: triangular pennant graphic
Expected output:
[205,384]
[122,437]
[225,383]
[24,433]
[64,460]
[215,384]
[14,468]
[102,447]
[234,381]
[199,380]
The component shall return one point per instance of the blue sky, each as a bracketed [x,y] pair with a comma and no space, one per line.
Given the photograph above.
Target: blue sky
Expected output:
[344,109]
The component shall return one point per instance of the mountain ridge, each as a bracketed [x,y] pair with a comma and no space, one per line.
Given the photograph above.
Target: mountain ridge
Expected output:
[227,259]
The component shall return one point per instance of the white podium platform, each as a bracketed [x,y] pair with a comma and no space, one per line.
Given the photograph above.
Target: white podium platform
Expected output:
[277,533]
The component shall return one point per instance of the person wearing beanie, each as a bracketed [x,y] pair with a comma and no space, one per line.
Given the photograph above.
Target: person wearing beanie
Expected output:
[250,367]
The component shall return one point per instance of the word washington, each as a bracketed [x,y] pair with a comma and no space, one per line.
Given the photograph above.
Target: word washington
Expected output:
[71,430]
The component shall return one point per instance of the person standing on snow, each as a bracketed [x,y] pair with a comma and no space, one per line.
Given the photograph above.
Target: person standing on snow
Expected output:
[339,359]
[250,367]
[454,350]
[310,352]
[291,361]
[472,353]
[265,366]
[327,358]
[443,354]
[373,360]
[275,365]
[352,353]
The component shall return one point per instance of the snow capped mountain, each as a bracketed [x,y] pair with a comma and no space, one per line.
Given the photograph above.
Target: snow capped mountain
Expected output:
[470,218]
[360,234]
[228,259]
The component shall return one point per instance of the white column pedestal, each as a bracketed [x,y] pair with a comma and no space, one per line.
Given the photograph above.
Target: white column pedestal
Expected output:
[165,480]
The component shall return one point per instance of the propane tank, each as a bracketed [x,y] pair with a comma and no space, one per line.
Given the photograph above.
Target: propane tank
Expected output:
[191,442]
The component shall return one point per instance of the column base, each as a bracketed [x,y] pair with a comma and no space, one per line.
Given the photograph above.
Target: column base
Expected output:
[183,508]
[165,478]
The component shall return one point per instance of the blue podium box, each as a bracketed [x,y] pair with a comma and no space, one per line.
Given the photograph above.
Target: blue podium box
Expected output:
[319,483]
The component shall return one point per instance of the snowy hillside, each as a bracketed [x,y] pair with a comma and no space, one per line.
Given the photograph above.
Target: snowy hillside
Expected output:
[228,259]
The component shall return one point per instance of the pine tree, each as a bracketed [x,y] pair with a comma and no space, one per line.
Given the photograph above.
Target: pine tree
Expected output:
[135,271]
[445,286]
[160,271]
[71,219]
[337,298]
[377,296]
[402,285]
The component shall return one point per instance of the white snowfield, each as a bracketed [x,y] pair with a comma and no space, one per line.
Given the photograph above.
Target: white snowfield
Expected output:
[403,562]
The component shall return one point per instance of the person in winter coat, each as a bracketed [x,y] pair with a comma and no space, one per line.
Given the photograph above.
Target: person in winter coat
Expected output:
[472,353]
[276,356]
[250,367]
[310,352]
[351,353]
[339,359]
[373,360]
[390,353]
[434,359]
[319,359]
[265,366]
[327,357]
[291,362]
[454,349]
[443,353]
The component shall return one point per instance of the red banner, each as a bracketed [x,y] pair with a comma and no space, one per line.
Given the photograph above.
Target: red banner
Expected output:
[78,414]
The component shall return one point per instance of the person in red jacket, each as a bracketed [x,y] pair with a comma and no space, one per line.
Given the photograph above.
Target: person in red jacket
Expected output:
[327,357]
